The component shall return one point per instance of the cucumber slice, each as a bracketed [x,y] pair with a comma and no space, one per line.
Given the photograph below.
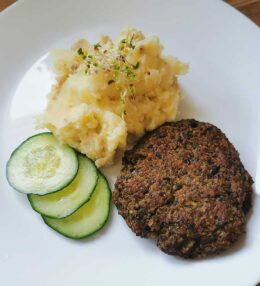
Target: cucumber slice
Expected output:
[41,165]
[88,219]
[72,197]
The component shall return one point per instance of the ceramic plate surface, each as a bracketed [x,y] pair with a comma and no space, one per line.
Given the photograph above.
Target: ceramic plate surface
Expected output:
[223,50]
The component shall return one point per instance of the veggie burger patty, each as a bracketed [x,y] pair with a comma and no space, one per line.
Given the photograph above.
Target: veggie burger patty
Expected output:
[184,185]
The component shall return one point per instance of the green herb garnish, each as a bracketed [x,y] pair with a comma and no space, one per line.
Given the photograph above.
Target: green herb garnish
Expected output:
[80,52]
[132,90]
[131,76]
[97,46]
[131,42]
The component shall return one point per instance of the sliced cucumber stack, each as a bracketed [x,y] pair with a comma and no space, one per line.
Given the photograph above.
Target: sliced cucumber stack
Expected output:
[89,218]
[63,186]
[41,165]
[69,199]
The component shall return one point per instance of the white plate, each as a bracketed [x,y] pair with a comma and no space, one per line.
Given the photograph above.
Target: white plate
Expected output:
[223,49]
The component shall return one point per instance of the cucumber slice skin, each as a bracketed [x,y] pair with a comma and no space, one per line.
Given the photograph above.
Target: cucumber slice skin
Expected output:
[86,199]
[87,234]
[66,183]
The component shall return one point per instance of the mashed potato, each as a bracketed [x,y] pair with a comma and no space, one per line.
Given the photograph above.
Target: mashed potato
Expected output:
[109,92]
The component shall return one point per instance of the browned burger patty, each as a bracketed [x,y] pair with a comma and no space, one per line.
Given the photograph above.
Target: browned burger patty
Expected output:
[184,185]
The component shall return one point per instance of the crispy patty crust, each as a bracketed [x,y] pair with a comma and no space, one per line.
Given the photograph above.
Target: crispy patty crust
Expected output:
[184,185]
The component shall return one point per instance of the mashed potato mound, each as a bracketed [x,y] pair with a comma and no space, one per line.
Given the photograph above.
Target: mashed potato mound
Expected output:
[109,92]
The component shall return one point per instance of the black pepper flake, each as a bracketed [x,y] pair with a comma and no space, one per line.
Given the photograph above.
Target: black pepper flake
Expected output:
[136,66]
[188,161]
[110,81]
[214,170]
[176,187]
[158,155]
[193,123]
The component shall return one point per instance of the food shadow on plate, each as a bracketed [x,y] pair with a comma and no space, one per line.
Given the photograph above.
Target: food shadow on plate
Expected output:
[148,244]
[21,198]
